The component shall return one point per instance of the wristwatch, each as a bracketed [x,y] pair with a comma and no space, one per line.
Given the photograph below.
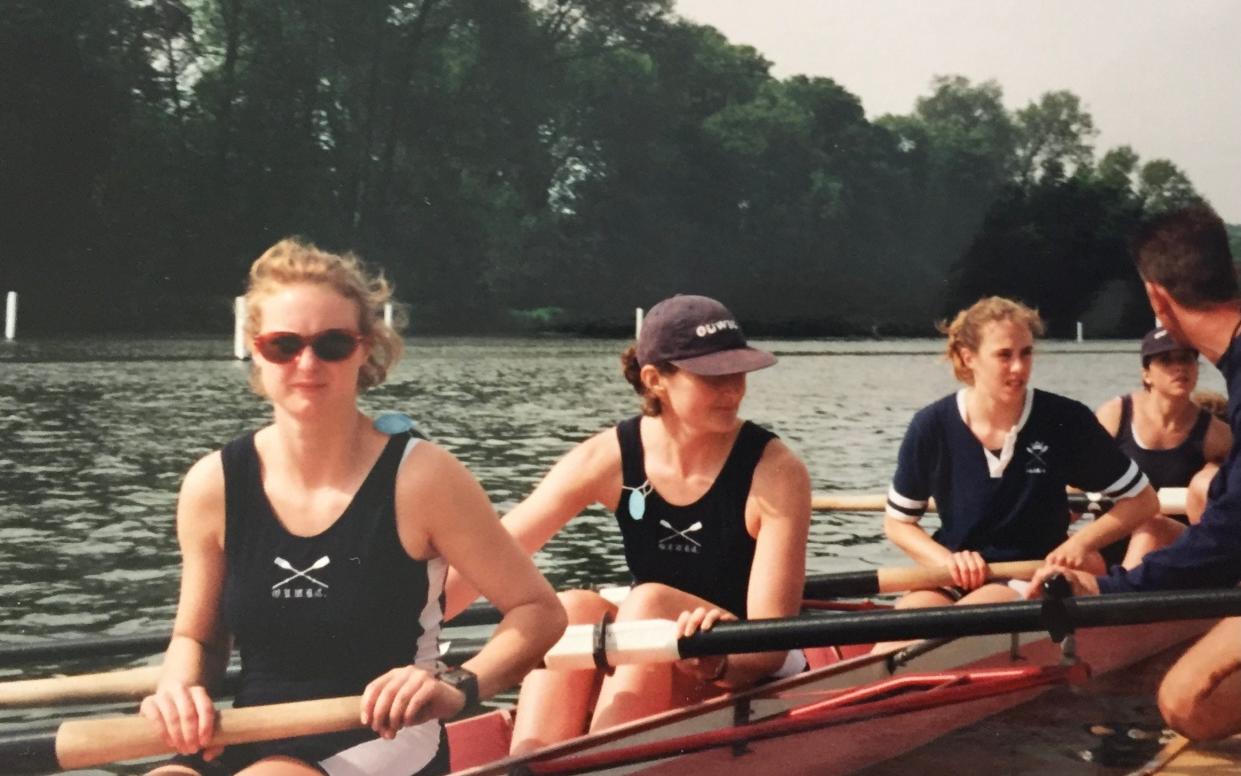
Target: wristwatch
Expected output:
[464,680]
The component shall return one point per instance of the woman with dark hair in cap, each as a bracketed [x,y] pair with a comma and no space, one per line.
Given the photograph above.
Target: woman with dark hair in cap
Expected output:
[713,513]
[996,456]
[1174,441]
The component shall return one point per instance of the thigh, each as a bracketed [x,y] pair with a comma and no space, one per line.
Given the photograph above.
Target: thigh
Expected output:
[990,593]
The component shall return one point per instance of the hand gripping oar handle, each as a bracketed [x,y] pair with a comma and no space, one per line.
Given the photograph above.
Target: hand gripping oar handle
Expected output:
[89,742]
[643,641]
[899,579]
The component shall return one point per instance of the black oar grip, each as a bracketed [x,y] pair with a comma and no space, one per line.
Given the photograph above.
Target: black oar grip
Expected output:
[847,584]
[599,641]
[22,753]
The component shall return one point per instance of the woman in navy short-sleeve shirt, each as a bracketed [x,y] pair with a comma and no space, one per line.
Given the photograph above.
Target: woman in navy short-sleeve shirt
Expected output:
[996,457]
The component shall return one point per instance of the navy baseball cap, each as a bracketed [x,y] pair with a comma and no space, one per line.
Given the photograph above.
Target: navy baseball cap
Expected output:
[1157,341]
[699,335]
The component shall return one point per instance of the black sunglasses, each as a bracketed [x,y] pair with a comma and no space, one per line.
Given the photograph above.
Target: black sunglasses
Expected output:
[281,347]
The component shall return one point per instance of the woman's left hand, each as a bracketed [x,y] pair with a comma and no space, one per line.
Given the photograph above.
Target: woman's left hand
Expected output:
[407,696]
[705,669]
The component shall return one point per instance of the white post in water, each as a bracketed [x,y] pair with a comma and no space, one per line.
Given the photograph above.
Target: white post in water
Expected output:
[388,314]
[637,322]
[239,328]
[1080,338]
[10,315]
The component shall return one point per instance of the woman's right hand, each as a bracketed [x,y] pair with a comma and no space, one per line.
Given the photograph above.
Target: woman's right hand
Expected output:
[184,715]
[969,570]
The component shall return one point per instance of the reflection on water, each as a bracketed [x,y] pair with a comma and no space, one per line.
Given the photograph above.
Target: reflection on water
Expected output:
[96,434]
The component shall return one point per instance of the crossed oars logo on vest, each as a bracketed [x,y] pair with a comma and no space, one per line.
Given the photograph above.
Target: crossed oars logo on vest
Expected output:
[279,590]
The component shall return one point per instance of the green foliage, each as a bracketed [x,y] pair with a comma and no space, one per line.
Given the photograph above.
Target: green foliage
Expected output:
[519,164]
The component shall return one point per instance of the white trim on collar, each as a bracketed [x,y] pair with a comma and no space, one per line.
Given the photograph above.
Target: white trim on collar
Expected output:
[997,464]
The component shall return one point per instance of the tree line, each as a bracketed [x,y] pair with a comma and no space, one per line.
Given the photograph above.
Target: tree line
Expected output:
[531,164]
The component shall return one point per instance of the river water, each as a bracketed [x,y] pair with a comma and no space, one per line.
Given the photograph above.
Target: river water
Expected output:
[95,435]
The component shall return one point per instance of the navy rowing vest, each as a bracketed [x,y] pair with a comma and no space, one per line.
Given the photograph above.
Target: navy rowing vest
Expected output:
[1173,467]
[322,616]
[702,548]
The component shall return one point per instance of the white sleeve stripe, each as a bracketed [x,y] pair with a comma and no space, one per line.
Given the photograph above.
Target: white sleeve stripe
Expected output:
[1128,484]
[901,516]
[907,504]
[1139,483]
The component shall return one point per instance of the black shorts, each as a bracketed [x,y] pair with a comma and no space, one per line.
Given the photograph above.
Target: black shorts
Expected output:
[308,749]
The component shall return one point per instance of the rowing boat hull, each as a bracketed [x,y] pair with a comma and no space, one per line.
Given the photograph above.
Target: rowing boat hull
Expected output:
[797,748]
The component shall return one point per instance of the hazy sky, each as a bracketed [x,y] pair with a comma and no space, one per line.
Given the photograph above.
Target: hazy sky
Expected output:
[1163,76]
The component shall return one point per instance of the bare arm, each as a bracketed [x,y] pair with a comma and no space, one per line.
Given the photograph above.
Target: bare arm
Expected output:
[915,542]
[780,500]
[1122,520]
[460,525]
[1218,441]
[198,651]
[590,472]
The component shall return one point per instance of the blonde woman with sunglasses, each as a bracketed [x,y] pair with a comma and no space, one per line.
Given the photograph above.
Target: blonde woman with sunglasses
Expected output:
[319,545]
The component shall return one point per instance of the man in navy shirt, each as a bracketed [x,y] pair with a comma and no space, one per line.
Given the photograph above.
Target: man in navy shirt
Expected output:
[1186,265]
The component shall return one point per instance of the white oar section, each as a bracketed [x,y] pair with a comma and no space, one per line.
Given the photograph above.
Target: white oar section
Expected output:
[86,743]
[625,643]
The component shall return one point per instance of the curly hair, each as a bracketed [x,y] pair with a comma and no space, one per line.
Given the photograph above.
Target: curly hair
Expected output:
[292,261]
[965,330]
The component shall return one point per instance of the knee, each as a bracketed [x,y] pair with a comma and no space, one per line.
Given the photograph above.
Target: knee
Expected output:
[583,606]
[651,599]
[1196,493]
[1179,704]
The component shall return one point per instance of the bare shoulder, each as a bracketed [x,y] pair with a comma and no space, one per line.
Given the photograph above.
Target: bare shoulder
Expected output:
[430,467]
[1218,440]
[782,478]
[781,463]
[1108,414]
[200,506]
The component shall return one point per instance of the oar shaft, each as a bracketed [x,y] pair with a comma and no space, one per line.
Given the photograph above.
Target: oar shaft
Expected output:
[1171,502]
[957,621]
[643,641]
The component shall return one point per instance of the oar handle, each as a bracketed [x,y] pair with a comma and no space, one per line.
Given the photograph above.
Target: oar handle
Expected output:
[903,578]
[899,579]
[89,742]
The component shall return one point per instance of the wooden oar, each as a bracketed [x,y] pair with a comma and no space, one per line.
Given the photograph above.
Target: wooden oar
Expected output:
[131,684]
[151,643]
[87,743]
[1171,502]
[649,641]
[899,579]
[838,584]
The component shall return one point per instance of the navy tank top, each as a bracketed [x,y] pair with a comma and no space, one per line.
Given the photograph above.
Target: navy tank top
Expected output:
[321,616]
[1173,467]
[702,548]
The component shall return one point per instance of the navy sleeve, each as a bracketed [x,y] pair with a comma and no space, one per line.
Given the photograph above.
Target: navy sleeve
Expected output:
[1097,464]
[911,485]
[1205,555]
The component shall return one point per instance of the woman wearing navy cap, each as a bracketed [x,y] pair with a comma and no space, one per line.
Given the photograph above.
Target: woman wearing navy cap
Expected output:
[996,457]
[713,512]
[1173,440]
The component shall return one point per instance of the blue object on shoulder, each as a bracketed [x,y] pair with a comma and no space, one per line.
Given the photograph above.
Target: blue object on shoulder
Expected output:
[393,423]
[637,503]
